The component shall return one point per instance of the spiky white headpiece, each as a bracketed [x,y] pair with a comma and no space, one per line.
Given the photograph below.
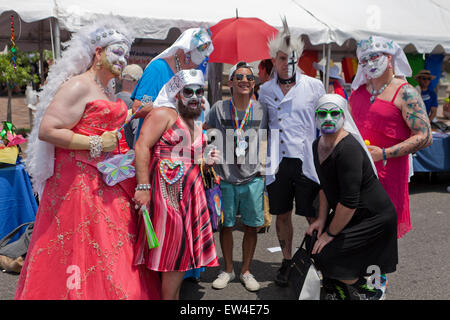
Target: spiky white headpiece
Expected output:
[285,42]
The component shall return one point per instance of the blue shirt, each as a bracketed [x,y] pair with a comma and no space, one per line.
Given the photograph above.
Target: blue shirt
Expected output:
[155,76]
[430,99]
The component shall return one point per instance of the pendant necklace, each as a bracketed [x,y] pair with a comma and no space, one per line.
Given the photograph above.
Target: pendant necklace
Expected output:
[376,93]
[105,90]
[242,145]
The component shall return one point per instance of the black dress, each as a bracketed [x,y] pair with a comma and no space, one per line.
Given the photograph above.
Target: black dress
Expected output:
[370,238]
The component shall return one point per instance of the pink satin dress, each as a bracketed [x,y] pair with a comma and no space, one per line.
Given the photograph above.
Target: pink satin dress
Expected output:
[383,125]
[85,232]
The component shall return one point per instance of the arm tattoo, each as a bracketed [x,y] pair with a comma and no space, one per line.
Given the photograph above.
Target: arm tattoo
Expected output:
[415,115]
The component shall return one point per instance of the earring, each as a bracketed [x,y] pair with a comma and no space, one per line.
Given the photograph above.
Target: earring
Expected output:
[187,58]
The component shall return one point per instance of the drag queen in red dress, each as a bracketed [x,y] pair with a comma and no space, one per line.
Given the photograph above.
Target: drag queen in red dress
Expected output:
[168,154]
[83,242]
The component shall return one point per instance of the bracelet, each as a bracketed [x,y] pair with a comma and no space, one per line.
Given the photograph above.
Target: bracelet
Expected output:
[95,146]
[143,187]
[329,233]
[384,157]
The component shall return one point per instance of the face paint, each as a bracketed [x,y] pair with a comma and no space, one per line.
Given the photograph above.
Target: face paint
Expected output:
[293,59]
[189,104]
[191,95]
[115,57]
[329,119]
[374,65]
[199,54]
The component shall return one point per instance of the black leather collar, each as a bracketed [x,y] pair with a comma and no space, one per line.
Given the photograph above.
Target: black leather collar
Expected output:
[287,81]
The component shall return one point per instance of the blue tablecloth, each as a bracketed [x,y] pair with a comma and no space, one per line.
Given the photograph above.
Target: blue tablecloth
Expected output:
[435,158]
[17,203]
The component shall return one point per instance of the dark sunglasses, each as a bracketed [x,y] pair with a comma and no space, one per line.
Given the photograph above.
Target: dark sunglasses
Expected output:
[322,114]
[425,78]
[189,92]
[240,77]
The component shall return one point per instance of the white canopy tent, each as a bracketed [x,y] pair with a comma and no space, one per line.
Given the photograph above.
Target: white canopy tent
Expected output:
[154,21]
[423,24]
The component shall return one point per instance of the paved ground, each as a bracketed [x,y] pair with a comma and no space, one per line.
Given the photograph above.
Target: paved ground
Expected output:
[424,253]
[424,256]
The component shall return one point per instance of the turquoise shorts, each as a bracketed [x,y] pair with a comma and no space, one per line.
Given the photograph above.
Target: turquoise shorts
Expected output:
[247,199]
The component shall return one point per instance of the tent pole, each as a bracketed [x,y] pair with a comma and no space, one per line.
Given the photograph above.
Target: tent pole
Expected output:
[327,70]
[51,39]
[57,40]
[41,51]
[323,58]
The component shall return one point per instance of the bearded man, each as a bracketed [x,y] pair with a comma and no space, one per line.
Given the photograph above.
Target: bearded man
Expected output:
[168,157]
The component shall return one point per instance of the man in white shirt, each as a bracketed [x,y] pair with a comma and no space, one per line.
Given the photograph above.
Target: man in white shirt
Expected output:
[290,98]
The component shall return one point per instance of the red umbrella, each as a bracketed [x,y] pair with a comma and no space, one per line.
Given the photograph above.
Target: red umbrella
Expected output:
[240,39]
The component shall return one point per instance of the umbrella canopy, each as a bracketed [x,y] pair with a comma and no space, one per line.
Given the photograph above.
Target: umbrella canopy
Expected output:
[240,39]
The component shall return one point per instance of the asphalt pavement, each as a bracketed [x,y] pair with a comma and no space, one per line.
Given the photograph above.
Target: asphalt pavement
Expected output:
[422,272]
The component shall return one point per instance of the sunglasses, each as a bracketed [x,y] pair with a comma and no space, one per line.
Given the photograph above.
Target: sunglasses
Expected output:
[425,78]
[371,57]
[322,114]
[203,47]
[249,77]
[189,92]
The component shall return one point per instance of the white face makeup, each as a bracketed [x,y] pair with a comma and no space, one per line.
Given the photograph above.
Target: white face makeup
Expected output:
[191,95]
[199,54]
[374,65]
[116,56]
[329,119]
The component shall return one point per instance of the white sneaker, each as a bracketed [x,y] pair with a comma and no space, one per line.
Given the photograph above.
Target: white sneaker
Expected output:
[223,279]
[250,282]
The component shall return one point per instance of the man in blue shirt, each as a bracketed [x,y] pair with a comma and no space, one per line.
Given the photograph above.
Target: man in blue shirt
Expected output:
[429,97]
[187,52]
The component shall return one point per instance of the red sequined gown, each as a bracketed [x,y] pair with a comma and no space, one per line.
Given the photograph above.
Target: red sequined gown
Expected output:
[84,237]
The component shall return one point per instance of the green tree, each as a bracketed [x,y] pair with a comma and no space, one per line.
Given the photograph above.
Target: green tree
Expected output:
[21,76]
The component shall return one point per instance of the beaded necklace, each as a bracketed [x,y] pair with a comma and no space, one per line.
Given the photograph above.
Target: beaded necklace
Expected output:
[177,63]
[376,93]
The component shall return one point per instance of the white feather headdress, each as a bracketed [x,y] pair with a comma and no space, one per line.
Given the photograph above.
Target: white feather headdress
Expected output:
[75,59]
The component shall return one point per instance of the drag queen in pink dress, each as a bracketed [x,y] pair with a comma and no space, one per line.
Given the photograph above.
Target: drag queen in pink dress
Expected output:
[390,116]
[84,237]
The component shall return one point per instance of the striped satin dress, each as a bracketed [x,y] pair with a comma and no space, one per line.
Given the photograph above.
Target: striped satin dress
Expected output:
[178,208]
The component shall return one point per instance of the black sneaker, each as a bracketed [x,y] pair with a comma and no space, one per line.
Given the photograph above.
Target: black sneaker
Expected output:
[334,290]
[361,291]
[283,273]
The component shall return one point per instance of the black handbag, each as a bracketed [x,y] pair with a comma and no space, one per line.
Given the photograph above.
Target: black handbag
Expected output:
[303,276]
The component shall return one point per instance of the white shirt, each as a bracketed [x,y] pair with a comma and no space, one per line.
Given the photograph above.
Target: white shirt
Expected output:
[292,126]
